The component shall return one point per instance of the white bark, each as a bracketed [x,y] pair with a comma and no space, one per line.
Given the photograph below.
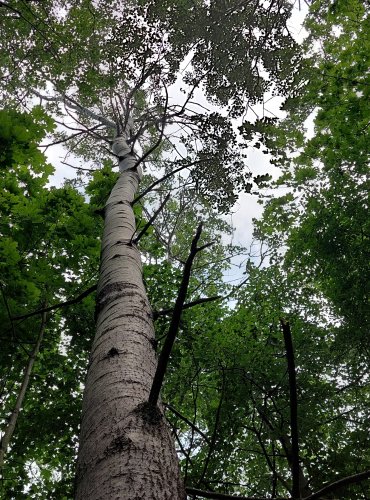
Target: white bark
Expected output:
[124,454]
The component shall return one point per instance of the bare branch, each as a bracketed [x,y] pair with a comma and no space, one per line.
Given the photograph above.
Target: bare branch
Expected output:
[160,138]
[345,481]
[165,177]
[58,306]
[72,136]
[79,168]
[187,421]
[175,322]
[164,312]
[151,220]
[224,496]
[72,104]
[214,433]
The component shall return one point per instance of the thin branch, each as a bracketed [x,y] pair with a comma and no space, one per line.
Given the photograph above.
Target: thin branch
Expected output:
[79,168]
[72,136]
[151,220]
[72,104]
[345,481]
[267,457]
[175,322]
[189,422]
[214,434]
[293,407]
[58,306]
[8,312]
[49,45]
[160,138]
[183,451]
[165,177]
[164,312]
[224,496]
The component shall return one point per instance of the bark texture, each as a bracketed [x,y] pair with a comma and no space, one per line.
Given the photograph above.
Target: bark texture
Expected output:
[126,449]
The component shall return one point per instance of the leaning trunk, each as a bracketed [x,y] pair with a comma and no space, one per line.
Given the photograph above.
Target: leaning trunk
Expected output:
[12,420]
[126,451]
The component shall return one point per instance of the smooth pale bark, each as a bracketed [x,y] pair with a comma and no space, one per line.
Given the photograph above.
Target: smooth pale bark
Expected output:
[12,421]
[126,451]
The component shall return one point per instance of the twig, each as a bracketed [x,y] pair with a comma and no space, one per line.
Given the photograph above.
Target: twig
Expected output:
[58,306]
[72,136]
[72,104]
[189,422]
[79,168]
[214,433]
[183,451]
[164,312]
[151,220]
[161,133]
[165,177]
[11,319]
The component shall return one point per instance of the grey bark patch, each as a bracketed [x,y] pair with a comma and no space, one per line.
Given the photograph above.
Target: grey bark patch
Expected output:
[117,445]
[150,414]
[114,287]
[118,289]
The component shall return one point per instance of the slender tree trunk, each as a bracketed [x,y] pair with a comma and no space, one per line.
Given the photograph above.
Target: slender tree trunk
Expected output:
[126,451]
[9,430]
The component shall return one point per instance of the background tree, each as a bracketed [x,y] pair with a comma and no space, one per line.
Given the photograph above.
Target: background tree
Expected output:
[317,231]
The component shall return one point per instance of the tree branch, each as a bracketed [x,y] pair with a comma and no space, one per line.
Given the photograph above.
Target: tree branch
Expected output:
[224,496]
[58,306]
[165,177]
[164,312]
[293,407]
[11,319]
[214,433]
[151,220]
[72,104]
[12,421]
[175,322]
[160,138]
[187,421]
[345,481]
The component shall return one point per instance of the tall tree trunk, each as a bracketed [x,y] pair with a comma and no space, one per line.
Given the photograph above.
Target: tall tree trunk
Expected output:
[12,422]
[126,450]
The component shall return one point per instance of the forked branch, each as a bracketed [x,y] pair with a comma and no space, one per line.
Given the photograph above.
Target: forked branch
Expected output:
[175,321]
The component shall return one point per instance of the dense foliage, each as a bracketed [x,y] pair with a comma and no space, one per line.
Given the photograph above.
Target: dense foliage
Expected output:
[228,392]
